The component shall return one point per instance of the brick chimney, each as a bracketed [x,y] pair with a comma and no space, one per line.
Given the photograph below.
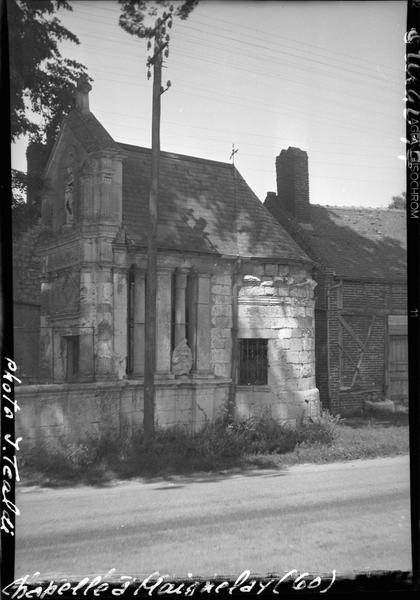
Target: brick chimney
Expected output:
[270,197]
[82,94]
[293,183]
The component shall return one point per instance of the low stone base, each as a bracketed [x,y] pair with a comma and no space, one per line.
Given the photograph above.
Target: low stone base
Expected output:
[308,400]
[71,413]
[292,407]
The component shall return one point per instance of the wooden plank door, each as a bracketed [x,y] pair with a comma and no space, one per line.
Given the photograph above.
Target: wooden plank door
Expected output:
[398,367]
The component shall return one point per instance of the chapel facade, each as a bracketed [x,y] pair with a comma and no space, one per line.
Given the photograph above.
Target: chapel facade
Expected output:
[235,294]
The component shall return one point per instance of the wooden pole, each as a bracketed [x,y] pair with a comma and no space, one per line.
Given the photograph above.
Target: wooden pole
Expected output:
[235,348]
[235,288]
[151,273]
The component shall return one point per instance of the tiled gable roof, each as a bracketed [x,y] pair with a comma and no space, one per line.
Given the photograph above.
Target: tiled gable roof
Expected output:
[204,206]
[357,243]
[89,131]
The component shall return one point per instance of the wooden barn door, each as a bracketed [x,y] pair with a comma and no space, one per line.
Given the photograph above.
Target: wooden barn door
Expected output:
[397,358]
[398,367]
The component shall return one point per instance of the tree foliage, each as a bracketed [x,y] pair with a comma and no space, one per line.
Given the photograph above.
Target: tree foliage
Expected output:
[19,187]
[42,86]
[138,16]
[42,81]
[398,201]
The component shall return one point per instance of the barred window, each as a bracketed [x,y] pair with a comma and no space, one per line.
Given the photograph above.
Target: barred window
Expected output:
[253,364]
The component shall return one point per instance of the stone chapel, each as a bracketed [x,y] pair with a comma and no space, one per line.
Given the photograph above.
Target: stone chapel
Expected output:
[235,298]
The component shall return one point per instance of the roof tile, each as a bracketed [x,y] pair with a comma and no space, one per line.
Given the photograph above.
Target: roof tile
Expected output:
[357,243]
[204,206]
[90,132]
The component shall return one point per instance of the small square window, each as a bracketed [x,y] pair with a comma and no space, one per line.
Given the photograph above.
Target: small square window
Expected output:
[253,363]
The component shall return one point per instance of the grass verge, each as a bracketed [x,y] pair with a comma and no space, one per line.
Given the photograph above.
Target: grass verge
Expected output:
[258,442]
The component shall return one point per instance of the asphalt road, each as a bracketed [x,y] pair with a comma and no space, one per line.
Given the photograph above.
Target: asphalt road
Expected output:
[351,517]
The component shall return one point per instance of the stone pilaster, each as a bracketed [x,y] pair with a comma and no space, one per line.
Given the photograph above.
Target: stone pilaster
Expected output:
[45,348]
[120,321]
[192,317]
[60,355]
[203,316]
[87,320]
[163,322]
[116,189]
[180,289]
[105,189]
[87,204]
[104,324]
[138,329]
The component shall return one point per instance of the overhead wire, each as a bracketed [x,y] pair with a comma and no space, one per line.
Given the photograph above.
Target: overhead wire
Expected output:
[253,45]
[242,133]
[277,36]
[261,155]
[235,66]
[261,61]
[191,90]
[328,100]
[207,90]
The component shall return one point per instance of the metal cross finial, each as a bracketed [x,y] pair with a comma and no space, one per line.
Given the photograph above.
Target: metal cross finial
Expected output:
[232,156]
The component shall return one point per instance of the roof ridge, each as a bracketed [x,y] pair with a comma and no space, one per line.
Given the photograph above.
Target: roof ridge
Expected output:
[92,125]
[176,155]
[382,208]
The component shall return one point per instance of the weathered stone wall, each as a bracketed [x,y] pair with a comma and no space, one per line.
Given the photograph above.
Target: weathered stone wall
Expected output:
[26,302]
[71,413]
[221,321]
[26,340]
[276,302]
[83,263]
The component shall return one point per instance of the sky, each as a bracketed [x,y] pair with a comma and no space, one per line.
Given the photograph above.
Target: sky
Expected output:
[327,77]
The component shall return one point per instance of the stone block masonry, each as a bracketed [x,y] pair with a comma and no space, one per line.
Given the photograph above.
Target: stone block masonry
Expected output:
[63,415]
[221,322]
[67,413]
[93,263]
[276,302]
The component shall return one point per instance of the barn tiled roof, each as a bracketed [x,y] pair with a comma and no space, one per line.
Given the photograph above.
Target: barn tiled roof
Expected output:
[204,206]
[357,243]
